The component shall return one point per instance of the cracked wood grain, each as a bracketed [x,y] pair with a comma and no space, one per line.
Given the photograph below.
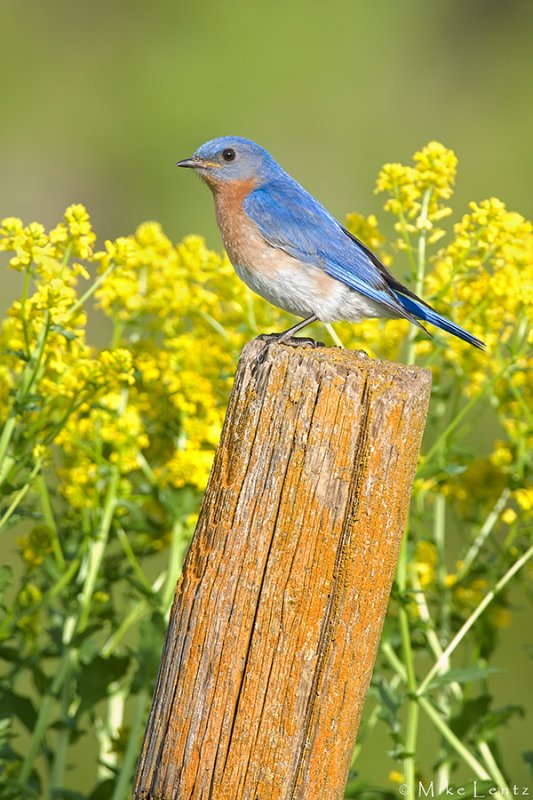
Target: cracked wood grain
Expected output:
[278,613]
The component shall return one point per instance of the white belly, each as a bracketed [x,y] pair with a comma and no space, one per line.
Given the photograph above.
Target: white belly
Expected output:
[304,290]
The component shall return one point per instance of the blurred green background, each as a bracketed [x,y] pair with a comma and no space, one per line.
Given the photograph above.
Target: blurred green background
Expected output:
[100,99]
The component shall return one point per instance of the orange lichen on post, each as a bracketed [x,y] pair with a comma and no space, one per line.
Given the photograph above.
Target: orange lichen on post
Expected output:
[277,616]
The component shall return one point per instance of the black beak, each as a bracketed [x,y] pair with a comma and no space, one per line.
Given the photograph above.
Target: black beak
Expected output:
[190,163]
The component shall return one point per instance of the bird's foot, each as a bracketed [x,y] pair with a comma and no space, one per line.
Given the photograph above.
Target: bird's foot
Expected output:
[294,341]
[303,341]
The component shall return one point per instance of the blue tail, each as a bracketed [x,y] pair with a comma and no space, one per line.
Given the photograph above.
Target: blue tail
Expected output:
[424,312]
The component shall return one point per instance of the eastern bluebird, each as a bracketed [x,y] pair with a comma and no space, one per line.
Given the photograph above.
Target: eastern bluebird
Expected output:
[287,248]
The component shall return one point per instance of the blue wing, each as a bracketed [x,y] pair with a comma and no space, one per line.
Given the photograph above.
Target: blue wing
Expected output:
[292,220]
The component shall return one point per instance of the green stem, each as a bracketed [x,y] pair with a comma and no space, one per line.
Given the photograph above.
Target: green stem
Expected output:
[108,757]
[49,518]
[334,335]
[460,416]
[6,462]
[91,290]
[411,730]
[472,619]
[492,766]
[453,740]
[58,427]
[29,374]
[34,364]
[420,269]
[19,497]
[437,719]
[42,719]
[429,629]
[98,546]
[125,777]
[74,625]
[137,612]
[439,533]
[252,322]
[215,324]
[405,234]
[62,742]
[484,533]
[133,561]
[175,562]
[23,299]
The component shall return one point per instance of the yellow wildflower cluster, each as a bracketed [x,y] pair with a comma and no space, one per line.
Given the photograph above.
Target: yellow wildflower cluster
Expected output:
[151,405]
[417,193]
[483,280]
[485,275]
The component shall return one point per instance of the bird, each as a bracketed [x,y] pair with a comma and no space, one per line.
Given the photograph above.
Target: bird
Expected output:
[286,246]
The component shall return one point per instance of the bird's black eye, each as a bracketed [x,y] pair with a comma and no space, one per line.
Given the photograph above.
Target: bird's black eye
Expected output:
[228,154]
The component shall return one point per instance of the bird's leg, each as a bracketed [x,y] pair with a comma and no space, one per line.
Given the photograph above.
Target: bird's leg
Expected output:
[282,337]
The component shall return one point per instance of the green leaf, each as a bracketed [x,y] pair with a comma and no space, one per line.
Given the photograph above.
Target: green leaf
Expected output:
[179,502]
[18,706]
[68,335]
[497,718]
[527,757]
[6,577]
[96,676]
[467,675]
[471,712]
[477,715]
[151,640]
[103,791]
[68,794]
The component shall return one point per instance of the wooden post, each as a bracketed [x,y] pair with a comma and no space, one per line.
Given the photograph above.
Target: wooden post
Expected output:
[277,616]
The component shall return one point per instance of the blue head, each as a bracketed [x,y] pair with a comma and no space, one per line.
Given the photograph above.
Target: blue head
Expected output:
[231,158]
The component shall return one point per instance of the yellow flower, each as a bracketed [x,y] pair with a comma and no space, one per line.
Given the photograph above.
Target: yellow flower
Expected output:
[524,498]
[117,366]
[29,598]
[509,516]
[426,562]
[396,777]
[400,182]
[30,244]
[36,545]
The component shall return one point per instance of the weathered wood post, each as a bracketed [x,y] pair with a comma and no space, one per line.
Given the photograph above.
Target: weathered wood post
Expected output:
[277,616]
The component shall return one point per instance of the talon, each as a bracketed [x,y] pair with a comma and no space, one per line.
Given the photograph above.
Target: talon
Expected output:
[302,341]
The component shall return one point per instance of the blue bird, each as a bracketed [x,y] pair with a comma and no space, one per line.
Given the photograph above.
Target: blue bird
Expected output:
[290,250]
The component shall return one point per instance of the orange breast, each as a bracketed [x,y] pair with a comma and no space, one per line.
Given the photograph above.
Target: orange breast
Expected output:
[243,242]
